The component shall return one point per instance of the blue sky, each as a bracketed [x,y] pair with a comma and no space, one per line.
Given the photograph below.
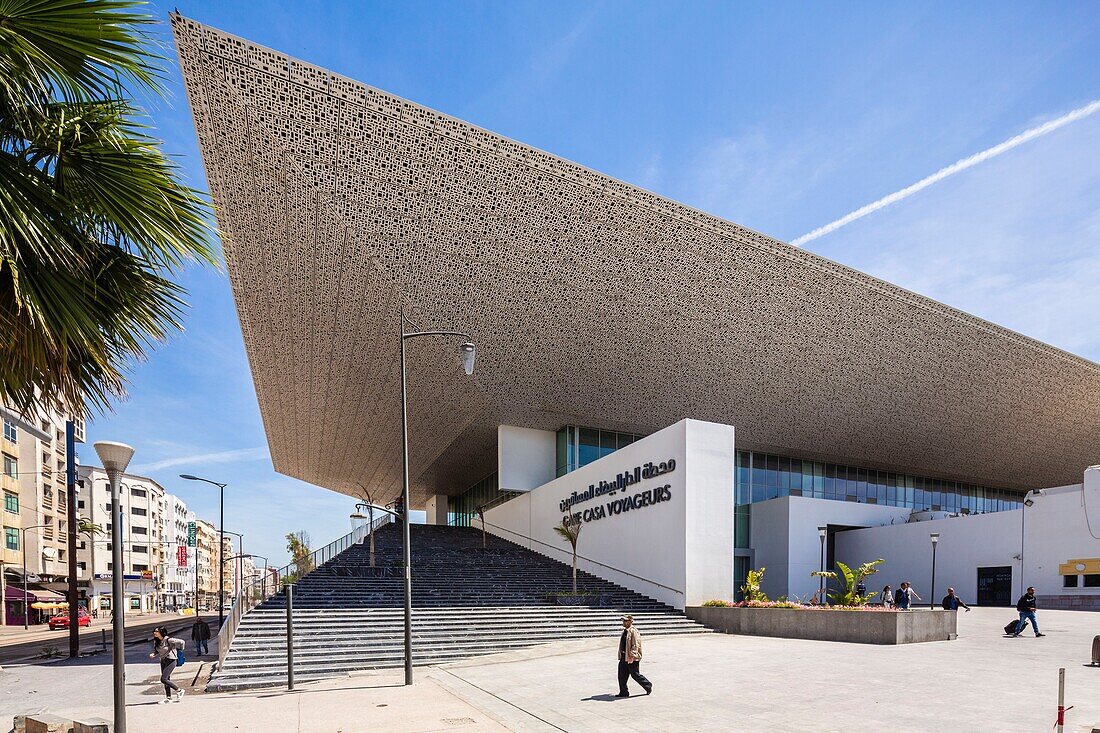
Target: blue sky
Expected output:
[781,117]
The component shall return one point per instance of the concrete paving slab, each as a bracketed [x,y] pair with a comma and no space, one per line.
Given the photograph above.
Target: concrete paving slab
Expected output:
[981,681]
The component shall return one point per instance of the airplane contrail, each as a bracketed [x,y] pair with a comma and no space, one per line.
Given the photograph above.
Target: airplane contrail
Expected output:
[951,170]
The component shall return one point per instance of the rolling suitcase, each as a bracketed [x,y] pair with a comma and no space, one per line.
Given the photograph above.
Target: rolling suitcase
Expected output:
[1096,650]
[1010,628]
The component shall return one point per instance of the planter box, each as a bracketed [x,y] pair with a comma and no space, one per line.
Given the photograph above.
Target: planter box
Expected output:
[860,627]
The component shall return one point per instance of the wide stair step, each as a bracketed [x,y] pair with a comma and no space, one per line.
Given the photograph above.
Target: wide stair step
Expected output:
[467,602]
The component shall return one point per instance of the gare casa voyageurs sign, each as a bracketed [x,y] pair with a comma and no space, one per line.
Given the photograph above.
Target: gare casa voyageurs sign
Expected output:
[648,497]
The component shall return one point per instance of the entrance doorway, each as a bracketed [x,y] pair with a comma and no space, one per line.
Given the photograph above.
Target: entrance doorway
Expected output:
[995,586]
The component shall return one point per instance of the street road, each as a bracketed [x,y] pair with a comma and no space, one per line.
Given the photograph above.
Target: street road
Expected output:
[18,646]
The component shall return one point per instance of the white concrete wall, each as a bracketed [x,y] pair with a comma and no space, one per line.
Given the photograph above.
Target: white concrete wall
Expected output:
[1051,532]
[966,543]
[435,510]
[526,458]
[648,541]
[785,538]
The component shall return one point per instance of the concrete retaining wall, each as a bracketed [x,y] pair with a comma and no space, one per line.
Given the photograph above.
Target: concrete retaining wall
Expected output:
[860,627]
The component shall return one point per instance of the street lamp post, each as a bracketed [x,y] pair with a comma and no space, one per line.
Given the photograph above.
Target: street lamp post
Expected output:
[369,517]
[26,604]
[467,351]
[935,536]
[821,532]
[221,543]
[115,457]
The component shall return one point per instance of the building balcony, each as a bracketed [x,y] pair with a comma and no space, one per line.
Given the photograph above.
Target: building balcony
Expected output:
[9,483]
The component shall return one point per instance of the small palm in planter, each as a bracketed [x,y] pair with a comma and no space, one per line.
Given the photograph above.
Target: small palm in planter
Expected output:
[570,530]
[850,596]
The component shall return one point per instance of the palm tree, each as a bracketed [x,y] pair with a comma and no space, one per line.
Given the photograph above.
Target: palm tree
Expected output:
[570,530]
[94,217]
[88,527]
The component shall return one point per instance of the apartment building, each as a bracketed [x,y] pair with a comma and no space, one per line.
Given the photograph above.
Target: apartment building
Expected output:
[41,496]
[207,544]
[178,572]
[144,529]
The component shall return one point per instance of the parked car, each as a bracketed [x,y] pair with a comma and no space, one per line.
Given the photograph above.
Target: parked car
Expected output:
[61,621]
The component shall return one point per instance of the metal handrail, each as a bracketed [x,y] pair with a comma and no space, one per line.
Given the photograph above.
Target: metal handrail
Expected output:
[586,559]
[247,598]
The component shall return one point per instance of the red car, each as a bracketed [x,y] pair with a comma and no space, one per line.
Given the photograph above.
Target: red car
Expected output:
[61,621]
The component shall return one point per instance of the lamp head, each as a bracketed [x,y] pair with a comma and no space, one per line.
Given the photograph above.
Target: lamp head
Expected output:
[935,537]
[189,477]
[467,352]
[359,515]
[822,531]
[114,456]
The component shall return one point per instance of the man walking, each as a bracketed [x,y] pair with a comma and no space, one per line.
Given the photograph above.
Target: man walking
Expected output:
[630,657]
[1026,607]
[952,602]
[903,599]
[200,634]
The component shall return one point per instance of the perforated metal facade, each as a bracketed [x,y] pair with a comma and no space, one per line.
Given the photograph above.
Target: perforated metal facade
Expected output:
[592,302]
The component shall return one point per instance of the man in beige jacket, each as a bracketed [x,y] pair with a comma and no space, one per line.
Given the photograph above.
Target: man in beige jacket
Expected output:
[630,657]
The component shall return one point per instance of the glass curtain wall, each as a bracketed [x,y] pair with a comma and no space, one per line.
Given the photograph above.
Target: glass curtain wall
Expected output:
[578,446]
[763,476]
[462,509]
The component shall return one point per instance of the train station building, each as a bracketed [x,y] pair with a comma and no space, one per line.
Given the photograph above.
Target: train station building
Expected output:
[704,396]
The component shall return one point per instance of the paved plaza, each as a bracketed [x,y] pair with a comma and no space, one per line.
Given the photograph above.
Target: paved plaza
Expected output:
[704,682]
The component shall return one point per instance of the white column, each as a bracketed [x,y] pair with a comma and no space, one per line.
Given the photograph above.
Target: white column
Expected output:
[436,509]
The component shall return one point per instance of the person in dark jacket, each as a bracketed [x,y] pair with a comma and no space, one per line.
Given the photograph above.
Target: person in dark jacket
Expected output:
[1026,607]
[200,634]
[952,602]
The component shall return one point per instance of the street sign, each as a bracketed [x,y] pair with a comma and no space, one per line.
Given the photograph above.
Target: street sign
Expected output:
[192,534]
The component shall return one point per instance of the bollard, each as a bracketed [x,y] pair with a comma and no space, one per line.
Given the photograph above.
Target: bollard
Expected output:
[103,639]
[290,636]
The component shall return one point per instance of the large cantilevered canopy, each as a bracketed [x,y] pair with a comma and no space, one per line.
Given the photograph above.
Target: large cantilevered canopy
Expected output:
[592,302]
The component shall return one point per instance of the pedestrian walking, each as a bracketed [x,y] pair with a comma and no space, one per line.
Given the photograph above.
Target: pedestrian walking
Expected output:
[200,634]
[1026,607]
[630,657]
[887,597]
[905,595]
[952,602]
[167,650]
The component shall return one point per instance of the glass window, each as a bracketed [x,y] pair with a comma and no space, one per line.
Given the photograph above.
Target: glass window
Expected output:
[607,443]
[139,530]
[137,511]
[137,492]
[10,433]
[589,446]
[1069,581]
[140,548]
[11,502]
[1092,581]
[11,538]
[11,466]
[562,458]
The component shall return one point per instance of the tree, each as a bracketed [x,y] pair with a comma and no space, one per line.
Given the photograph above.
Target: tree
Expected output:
[297,544]
[94,217]
[850,596]
[570,530]
[88,527]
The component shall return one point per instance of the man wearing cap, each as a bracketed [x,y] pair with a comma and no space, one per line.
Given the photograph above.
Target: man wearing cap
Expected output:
[630,657]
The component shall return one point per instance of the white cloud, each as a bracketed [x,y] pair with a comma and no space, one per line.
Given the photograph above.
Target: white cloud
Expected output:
[1015,241]
[227,456]
[969,162]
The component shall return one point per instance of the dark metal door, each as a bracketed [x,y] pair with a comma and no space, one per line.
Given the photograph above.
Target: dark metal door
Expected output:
[995,586]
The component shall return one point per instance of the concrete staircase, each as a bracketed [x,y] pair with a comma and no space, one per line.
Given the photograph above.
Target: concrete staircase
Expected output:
[466,601]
